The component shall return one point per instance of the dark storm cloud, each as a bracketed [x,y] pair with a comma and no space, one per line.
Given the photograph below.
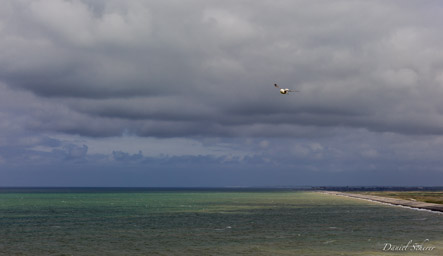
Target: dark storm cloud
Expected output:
[173,68]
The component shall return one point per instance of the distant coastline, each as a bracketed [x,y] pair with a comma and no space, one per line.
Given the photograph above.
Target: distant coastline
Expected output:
[378,188]
[68,189]
[390,200]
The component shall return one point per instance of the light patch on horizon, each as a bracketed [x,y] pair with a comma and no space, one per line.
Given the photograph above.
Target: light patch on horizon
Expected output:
[154,147]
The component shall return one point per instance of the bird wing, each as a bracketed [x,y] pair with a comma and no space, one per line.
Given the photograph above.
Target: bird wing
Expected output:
[293,91]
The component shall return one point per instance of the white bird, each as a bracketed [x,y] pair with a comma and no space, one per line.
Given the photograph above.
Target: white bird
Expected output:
[284,91]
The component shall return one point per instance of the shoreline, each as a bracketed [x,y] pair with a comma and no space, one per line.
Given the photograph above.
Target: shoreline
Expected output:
[391,201]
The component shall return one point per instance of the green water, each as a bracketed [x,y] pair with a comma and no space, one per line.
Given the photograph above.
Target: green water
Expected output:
[208,223]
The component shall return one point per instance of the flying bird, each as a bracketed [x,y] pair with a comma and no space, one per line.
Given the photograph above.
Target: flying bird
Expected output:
[284,91]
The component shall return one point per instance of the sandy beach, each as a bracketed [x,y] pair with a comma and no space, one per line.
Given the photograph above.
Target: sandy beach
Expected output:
[388,200]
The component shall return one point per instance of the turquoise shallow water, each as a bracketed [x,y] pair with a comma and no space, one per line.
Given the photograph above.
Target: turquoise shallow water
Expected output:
[151,222]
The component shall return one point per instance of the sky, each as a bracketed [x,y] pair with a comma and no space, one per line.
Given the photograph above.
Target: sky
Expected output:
[174,93]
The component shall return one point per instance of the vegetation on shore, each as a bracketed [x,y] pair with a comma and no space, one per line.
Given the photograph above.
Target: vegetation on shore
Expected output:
[435,197]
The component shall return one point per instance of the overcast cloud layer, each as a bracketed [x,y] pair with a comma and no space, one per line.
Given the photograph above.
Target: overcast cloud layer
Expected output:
[188,85]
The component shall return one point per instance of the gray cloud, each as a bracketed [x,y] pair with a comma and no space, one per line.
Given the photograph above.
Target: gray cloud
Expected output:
[175,69]
[205,69]
[181,93]
[353,157]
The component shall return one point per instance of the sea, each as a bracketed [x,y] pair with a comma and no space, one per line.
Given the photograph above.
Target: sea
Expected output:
[234,221]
